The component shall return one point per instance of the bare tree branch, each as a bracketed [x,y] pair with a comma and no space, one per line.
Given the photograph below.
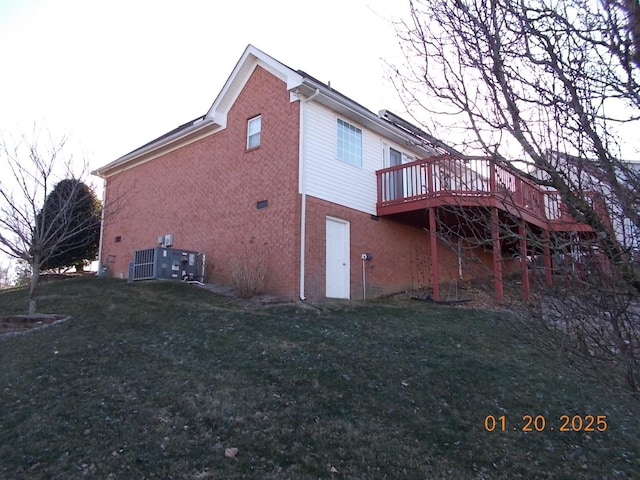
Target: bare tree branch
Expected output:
[547,85]
[28,231]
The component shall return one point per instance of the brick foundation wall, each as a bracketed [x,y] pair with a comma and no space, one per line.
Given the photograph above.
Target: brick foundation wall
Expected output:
[401,254]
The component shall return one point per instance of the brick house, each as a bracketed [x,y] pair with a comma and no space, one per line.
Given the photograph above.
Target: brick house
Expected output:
[284,169]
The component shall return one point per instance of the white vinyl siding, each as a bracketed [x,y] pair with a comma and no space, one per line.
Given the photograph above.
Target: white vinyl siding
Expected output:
[327,177]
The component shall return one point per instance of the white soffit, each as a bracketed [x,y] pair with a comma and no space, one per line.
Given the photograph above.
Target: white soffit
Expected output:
[251,58]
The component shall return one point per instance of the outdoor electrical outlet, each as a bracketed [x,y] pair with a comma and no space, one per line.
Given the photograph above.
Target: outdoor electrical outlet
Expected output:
[366,256]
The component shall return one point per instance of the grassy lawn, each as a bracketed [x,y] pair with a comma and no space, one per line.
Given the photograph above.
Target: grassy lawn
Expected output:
[164,380]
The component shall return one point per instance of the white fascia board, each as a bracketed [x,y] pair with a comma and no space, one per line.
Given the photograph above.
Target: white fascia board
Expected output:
[364,117]
[216,118]
[250,59]
[199,129]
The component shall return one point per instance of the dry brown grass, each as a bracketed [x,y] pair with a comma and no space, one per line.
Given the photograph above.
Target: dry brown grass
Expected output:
[167,380]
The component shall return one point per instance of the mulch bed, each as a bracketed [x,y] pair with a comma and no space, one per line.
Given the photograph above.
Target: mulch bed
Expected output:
[21,323]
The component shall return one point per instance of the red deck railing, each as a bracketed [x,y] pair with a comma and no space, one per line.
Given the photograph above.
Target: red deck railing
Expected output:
[448,180]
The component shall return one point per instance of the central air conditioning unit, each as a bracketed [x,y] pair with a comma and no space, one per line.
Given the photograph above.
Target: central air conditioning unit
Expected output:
[166,264]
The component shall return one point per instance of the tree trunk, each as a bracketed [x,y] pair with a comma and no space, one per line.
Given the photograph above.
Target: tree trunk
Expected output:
[34,286]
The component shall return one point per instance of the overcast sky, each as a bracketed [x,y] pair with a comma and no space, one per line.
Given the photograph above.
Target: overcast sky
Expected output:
[114,75]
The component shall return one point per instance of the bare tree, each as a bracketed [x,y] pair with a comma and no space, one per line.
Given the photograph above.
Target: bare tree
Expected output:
[551,87]
[27,231]
[5,276]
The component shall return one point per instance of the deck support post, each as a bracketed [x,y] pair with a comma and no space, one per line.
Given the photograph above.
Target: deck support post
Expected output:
[546,241]
[604,265]
[524,266]
[433,239]
[497,260]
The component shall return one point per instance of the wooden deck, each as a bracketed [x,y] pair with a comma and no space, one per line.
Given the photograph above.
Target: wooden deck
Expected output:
[457,190]
[448,181]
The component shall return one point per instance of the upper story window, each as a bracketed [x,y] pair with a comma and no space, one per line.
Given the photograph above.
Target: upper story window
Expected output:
[254,127]
[349,143]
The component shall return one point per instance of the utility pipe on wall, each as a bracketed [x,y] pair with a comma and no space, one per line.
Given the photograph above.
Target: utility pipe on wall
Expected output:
[364,257]
[364,278]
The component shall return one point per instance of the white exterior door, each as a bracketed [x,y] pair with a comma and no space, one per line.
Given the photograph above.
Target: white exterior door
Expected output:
[337,259]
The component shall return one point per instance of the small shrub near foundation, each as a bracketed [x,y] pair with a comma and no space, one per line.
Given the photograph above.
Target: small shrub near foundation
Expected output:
[248,278]
[249,272]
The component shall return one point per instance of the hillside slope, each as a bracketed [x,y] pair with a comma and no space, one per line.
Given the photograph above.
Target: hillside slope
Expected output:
[166,380]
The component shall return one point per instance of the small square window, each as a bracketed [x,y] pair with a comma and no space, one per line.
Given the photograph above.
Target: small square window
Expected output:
[118,239]
[262,204]
[254,128]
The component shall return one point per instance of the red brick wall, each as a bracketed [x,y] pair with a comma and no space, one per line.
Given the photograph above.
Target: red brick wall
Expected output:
[205,193]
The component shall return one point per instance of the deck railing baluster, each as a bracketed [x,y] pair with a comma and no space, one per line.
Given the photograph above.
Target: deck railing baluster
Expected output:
[448,180]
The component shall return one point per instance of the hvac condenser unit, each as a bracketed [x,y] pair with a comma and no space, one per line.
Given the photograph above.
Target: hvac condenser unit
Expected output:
[165,263]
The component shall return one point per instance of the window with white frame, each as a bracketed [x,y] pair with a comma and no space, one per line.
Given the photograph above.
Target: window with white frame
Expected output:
[349,143]
[254,128]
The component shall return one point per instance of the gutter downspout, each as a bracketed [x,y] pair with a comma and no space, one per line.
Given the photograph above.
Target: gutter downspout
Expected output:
[303,193]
